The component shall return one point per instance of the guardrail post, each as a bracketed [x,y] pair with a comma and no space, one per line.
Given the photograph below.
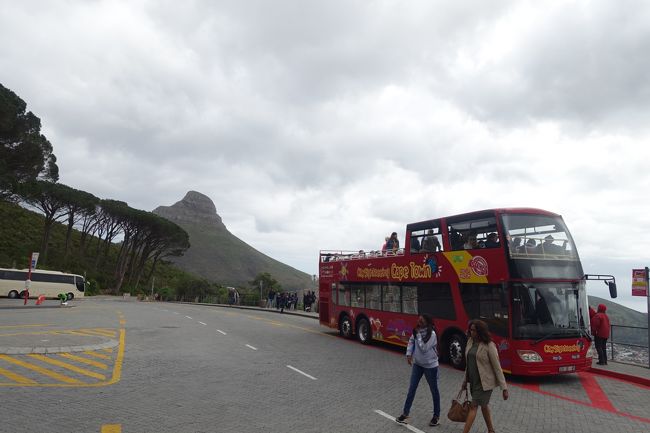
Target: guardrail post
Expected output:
[611,339]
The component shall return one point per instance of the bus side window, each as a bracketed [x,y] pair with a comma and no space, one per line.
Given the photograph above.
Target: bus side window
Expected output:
[485,302]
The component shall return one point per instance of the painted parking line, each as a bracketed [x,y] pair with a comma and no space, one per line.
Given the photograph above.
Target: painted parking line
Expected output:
[111,428]
[16,377]
[189,317]
[175,312]
[251,347]
[221,332]
[392,418]
[301,372]
[204,324]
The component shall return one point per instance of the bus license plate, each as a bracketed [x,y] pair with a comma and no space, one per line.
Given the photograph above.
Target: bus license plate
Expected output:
[567,369]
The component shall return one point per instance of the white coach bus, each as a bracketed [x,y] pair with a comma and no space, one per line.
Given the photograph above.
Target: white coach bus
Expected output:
[48,283]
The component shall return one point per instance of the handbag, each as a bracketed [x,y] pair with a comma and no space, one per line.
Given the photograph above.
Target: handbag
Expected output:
[459,409]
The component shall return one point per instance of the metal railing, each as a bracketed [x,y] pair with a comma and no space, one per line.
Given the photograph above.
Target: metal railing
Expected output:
[626,344]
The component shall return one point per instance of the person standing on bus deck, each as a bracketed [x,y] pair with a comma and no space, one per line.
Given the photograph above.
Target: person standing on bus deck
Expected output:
[430,244]
[600,327]
[483,372]
[393,243]
[422,354]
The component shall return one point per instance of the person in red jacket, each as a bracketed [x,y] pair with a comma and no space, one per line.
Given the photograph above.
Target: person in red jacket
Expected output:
[600,328]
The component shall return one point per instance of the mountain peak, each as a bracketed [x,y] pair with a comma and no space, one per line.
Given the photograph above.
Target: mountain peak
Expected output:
[193,208]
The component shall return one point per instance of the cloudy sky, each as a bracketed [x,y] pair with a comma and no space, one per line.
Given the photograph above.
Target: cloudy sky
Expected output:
[327,125]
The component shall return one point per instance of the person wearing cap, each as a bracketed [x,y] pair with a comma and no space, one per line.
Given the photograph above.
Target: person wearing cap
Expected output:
[492,241]
[600,328]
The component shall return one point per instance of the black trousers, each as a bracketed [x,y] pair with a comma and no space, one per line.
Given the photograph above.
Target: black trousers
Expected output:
[601,348]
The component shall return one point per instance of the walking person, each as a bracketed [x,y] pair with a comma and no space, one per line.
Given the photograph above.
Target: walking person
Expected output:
[600,327]
[422,354]
[483,373]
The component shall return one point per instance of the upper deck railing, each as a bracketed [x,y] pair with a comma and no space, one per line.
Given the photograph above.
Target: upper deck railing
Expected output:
[340,255]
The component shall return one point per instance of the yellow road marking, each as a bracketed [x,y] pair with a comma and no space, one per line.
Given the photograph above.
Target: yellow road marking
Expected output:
[102,332]
[84,360]
[117,369]
[40,370]
[98,355]
[108,349]
[112,428]
[122,322]
[83,333]
[23,326]
[15,377]
[68,366]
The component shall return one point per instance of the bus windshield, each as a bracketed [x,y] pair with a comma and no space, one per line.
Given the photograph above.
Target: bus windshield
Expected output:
[543,311]
[540,246]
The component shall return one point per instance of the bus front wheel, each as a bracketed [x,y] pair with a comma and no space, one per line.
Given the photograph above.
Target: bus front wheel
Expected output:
[69,296]
[345,327]
[22,294]
[363,331]
[456,350]
[13,294]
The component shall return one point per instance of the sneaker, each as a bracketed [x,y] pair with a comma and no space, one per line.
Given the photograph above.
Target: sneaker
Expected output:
[402,419]
[434,421]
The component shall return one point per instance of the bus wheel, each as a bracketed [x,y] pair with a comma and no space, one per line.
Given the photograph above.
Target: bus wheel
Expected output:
[345,327]
[363,331]
[22,294]
[456,350]
[69,296]
[13,294]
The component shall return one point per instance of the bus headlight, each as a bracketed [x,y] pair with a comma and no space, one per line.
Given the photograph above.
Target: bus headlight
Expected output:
[529,356]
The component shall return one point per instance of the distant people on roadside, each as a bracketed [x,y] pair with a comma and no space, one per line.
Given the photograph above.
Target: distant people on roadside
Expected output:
[492,241]
[392,244]
[430,243]
[422,354]
[271,299]
[307,301]
[482,372]
[530,246]
[600,328]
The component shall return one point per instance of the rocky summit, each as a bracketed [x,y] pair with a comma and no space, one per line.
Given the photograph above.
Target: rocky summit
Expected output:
[218,255]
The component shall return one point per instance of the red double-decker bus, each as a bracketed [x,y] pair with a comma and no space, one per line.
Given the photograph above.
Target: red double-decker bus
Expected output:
[516,269]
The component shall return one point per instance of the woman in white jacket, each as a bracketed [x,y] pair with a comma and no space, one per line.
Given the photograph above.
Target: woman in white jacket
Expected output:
[483,373]
[422,354]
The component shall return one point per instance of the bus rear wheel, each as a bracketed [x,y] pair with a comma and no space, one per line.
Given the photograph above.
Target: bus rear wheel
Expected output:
[456,351]
[13,294]
[363,331]
[345,327]
[69,296]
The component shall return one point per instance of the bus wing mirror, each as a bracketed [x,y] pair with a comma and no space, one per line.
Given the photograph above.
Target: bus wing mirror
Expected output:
[609,280]
[612,288]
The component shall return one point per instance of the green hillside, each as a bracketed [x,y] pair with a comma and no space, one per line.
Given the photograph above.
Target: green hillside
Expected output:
[218,255]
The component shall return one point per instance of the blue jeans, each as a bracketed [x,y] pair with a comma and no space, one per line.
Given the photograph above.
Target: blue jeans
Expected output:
[431,374]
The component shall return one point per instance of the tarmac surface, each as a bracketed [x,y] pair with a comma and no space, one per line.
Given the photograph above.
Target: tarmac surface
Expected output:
[189,368]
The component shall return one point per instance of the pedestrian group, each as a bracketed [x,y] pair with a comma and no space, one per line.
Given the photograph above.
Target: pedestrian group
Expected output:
[483,370]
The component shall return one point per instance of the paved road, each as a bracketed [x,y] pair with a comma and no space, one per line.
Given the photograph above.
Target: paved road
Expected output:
[185,368]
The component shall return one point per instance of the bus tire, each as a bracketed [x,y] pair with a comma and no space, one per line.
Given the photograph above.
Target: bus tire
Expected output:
[69,296]
[345,326]
[13,294]
[363,331]
[22,294]
[456,351]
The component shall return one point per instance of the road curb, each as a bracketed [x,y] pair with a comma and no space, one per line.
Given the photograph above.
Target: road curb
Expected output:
[4,350]
[622,376]
[245,307]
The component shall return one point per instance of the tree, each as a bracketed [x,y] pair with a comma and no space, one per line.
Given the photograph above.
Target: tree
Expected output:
[79,205]
[25,154]
[49,198]
[266,281]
